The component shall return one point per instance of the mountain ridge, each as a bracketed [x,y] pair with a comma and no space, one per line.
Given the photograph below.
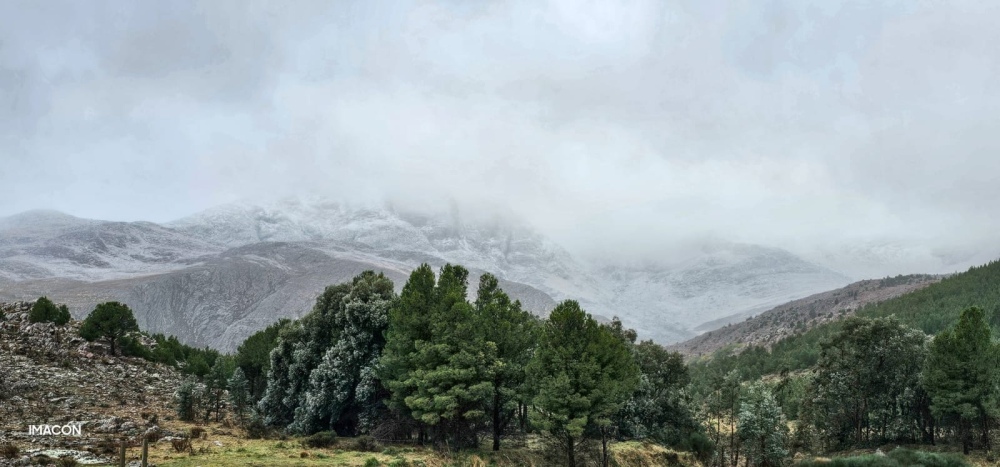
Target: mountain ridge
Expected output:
[229,247]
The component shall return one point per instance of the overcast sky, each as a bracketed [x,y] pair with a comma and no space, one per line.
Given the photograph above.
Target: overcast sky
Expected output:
[597,122]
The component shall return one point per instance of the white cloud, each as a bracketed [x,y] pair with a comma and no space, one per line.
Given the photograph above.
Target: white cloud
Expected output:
[629,124]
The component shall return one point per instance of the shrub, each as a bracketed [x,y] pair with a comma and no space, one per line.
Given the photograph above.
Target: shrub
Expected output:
[701,446]
[255,426]
[44,311]
[9,451]
[323,439]
[181,445]
[196,432]
[365,444]
[132,348]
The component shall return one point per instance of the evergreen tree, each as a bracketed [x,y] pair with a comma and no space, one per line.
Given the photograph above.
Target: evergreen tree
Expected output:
[448,378]
[253,356]
[274,406]
[409,324]
[762,428]
[512,333]
[43,310]
[343,394]
[110,321]
[583,373]
[723,405]
[215,387]
[867,380]
[659,409]
[961,377]
[239,393]
[185,402]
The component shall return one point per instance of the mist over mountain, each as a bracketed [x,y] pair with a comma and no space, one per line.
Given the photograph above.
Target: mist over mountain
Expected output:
[216,276]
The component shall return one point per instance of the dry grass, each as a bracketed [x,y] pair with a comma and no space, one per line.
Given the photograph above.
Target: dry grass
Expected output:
[225,448]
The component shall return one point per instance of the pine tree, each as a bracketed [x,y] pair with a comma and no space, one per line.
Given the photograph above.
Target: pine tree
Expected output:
[185,402]
[253,357]
[961,377]
[409,324]
[513,333]
[448,376]
[239,393]
[110,321]
[583,373]
[215,387]
[762,428]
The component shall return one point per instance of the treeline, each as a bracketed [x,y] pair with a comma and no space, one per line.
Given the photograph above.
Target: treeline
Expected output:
[877,381]
[429,366]
[923,368]
[931,310]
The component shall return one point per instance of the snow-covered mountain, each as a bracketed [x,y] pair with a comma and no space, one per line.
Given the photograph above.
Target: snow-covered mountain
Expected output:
[46,244]
[214,277]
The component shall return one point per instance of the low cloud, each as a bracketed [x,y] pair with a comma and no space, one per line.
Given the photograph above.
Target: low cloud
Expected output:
[613,126]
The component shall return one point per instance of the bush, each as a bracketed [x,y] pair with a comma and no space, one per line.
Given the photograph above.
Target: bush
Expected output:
[366,444]
[323,439]
[701,446]
[9,451]
[44,311]
[132,348]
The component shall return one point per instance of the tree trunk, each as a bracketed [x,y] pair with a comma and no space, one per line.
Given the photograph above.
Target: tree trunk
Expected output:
[497,423]
[604,448]
[964,433]
[570,455]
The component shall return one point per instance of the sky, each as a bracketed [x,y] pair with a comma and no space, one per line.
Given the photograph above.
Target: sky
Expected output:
[622,125]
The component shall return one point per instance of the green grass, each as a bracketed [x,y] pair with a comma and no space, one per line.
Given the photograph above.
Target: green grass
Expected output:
[899,457]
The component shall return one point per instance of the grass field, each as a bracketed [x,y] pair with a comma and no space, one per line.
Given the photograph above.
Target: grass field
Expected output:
[224,447]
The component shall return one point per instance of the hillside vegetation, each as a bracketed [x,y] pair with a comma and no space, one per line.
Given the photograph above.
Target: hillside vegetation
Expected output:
[930,309]
[801,315]
[919,369]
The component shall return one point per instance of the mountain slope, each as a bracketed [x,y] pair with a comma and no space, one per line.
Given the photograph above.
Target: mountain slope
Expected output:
[213,277]
[225,298]
[45,244]
[799,315]
[665,302]
[930,309]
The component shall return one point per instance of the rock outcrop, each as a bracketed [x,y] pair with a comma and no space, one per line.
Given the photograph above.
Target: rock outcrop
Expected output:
[49,376]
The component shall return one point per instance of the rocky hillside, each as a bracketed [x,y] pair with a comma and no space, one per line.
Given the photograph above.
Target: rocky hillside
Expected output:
[52,376]
[799,315]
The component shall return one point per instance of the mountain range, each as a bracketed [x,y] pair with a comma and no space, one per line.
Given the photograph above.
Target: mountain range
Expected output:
[217,276]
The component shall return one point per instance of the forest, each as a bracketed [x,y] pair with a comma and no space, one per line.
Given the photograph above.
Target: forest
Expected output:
[436,365]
